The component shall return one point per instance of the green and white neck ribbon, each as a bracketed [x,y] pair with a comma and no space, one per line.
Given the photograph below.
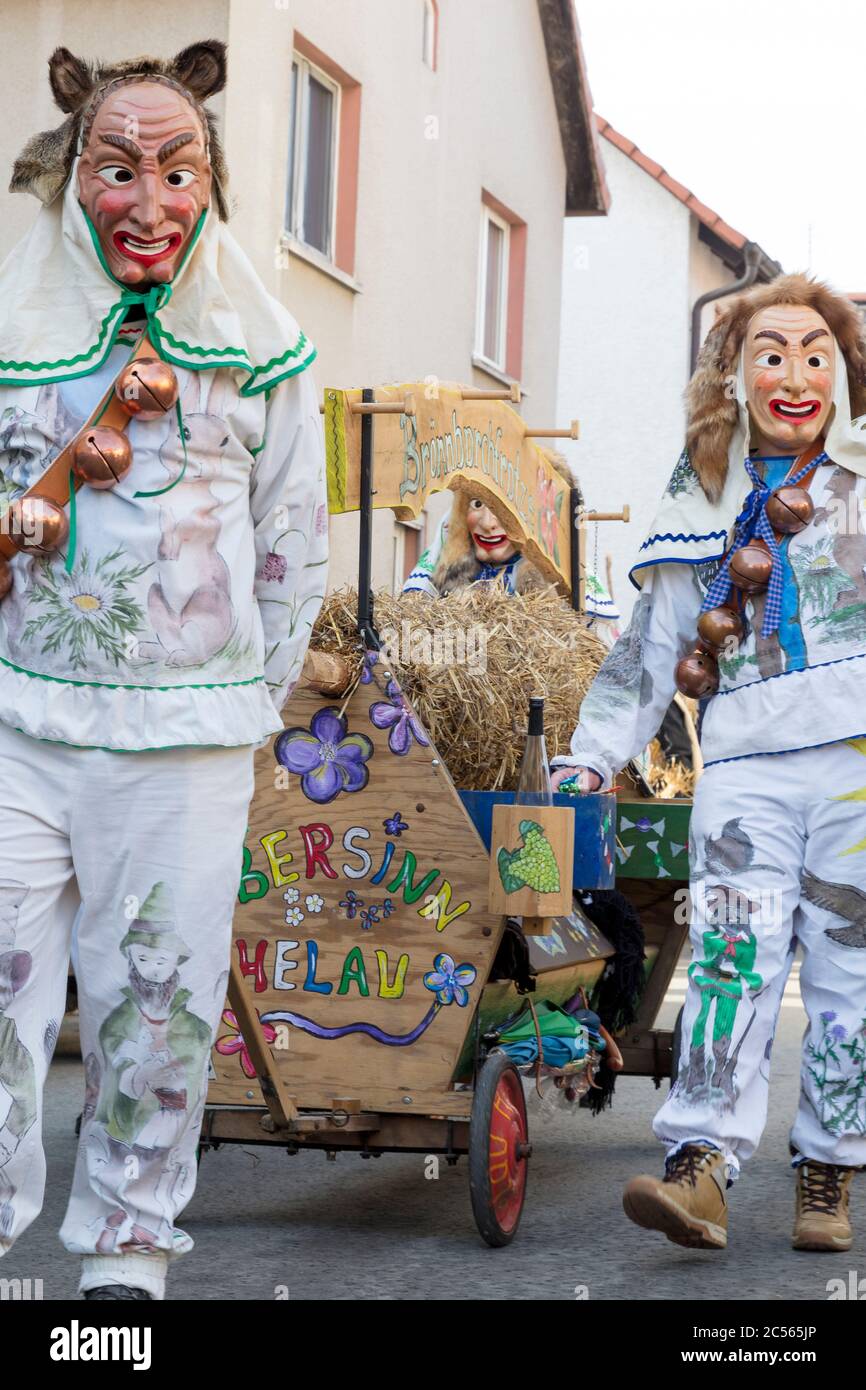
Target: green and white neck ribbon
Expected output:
[61,309]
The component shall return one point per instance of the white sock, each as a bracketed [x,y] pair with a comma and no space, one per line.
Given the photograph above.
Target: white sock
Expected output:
[136,1271]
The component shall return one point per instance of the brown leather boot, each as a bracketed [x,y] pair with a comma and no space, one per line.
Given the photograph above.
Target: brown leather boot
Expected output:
[688,1204]
[821,1219]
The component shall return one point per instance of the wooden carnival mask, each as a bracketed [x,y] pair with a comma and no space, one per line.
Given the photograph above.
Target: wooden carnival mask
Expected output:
[489,541]
[789,362]
[144,179]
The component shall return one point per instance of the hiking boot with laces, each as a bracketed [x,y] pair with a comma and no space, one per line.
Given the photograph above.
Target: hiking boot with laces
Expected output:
[821,1220]
[688,1204]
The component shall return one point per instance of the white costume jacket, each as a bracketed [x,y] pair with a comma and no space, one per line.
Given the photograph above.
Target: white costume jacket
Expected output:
[798,688]
[179,612]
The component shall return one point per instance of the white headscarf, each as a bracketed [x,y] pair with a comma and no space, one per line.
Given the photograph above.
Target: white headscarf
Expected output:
[61,308]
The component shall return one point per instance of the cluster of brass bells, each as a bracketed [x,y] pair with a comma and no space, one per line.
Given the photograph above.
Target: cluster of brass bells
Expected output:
[146,388]
[788,510]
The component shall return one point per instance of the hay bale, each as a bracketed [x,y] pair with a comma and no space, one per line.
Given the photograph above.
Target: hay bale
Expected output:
[668,777]
[469,663]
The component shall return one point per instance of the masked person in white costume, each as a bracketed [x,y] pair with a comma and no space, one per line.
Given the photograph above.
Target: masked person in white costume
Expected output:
[753,598]
[164,533]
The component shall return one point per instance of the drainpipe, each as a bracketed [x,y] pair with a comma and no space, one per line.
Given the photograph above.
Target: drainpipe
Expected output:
[752,255]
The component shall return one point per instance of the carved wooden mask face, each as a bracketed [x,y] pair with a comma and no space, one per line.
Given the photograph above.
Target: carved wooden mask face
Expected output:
[790,366]
[144,180]
[489,541]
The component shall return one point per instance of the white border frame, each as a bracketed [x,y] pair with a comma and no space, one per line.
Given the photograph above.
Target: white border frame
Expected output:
[430,16]
[293,215]
[488,216]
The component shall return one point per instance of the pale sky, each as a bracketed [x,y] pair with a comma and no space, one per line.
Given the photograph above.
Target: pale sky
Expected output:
[757,106]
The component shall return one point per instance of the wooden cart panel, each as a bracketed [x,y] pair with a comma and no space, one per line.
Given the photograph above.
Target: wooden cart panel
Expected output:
[362,931]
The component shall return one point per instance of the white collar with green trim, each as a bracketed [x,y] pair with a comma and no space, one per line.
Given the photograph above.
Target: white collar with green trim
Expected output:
[61,309]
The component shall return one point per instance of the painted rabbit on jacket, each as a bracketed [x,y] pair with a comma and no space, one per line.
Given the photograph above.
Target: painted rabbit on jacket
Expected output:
[189,602]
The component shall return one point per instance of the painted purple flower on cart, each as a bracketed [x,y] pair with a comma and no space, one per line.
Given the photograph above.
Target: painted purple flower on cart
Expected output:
[370,659]
[326,757]
[370,916]
[395,825]
[351,903]
[388,907]
[448,981]
[395,715]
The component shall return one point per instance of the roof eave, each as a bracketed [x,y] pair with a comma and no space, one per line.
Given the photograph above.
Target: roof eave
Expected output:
[586,191]
[734,257]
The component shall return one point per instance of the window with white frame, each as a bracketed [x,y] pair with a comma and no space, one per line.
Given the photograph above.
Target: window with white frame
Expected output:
[310,200]
[428,50]
[492,310]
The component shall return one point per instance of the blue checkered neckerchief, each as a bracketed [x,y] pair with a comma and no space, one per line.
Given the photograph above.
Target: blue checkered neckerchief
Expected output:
[751,524]
[504,572]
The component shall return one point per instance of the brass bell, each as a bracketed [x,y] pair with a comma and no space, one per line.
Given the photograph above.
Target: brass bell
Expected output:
[37,525]
[719,625]
[101,457]
[789,509]
[697,675]
[147,388]
[750,568]
[5,578]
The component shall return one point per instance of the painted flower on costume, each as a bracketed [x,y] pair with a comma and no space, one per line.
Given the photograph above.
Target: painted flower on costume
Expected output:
[274,567]
[395,825]
[326,757]
[395,715]
[86,610]
[227,1046]
[837,1070]
[448,981]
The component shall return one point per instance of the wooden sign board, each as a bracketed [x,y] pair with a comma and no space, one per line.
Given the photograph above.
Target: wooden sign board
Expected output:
[531,861]
[477,446]
[362,928]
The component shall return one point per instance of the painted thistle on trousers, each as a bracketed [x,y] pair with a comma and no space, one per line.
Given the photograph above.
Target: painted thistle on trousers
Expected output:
[840,1084]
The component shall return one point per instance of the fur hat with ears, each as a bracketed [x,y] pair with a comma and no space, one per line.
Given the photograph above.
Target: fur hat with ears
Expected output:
[79,88]
[711,405]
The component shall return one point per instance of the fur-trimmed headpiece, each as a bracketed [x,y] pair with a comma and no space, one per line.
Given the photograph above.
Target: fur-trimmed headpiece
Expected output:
[79,88]
[711,404]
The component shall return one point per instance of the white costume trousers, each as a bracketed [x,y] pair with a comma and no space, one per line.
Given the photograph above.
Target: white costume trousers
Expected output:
[132,860]
[777,857]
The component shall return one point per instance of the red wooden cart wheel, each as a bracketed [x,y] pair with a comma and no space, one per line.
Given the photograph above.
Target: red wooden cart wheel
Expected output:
[498,1150]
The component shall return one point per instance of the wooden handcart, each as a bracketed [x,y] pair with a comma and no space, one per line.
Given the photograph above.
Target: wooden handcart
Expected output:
[359,994]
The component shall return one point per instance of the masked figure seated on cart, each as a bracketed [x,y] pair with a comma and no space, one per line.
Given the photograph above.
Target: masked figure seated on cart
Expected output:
[471,546]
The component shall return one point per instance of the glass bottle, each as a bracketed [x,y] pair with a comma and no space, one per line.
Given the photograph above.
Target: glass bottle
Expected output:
[533,786]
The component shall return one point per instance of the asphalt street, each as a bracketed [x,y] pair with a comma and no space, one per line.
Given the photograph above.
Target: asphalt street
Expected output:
[268,1226]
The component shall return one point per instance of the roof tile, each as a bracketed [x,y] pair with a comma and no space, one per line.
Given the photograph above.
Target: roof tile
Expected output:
[702,212]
